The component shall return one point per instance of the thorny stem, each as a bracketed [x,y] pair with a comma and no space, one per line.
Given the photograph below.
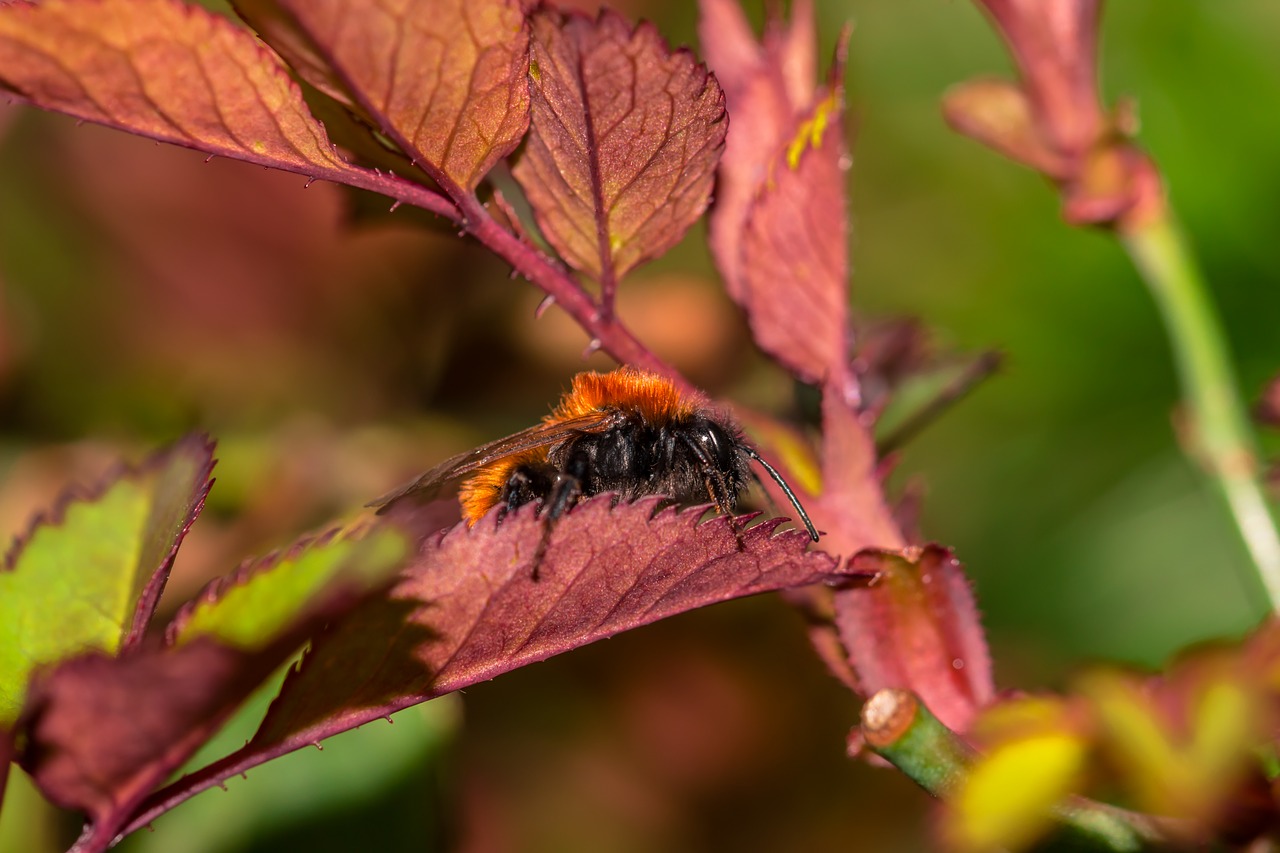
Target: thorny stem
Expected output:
[1219,432]
[546,274]
[602,325]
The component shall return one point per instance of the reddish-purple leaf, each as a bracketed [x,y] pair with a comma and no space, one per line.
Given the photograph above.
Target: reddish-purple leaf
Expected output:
[178,499]
[768,85]
[917,628]
[852,507]
[795,266]
[481,612]
[167,70]
[447,80]
[779,229]
[470,609]
[624,141]
[1053,120]
[104,731]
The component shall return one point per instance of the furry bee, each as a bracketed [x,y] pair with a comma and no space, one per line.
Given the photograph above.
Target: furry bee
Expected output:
[627,431]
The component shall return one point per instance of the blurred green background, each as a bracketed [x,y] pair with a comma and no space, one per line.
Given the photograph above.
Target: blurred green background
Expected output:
[334,349]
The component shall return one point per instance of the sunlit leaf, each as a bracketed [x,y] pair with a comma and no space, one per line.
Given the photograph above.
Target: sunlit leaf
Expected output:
[256,603]
[795,267]
[624,141]
[164,69]
[88,576]
[769,83]
[997,113]
[446,80]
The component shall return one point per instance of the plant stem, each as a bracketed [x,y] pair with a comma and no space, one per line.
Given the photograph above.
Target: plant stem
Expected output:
[1219,427]
[898,727]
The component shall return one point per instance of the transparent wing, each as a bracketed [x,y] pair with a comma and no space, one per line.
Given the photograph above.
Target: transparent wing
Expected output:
[431,483]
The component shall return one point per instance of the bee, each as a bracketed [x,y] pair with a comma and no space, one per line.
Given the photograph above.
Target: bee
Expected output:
[628,432]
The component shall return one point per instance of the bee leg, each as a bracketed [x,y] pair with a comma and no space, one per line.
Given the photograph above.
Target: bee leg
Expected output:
[716,489]
[527,484]
[565,491]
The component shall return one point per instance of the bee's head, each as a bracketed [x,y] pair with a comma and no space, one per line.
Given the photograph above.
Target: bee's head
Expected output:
[721,446]
[719,450]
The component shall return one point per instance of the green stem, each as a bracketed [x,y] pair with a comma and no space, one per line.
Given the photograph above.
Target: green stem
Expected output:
[1219,428]
[899,728]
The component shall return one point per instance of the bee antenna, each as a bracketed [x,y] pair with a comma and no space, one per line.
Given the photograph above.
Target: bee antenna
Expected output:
[782,484]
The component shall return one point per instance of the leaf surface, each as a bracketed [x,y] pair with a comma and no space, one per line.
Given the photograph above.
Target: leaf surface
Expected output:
[917,628]
[88,576]
[625,138]
[447,80]
[168,70]
[468,609]
[104,731]
[779,230]
[795,264]
[768,85]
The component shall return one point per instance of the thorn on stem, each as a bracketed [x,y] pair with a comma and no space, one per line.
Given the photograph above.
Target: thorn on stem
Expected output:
[593,346]
[547,302]
[394,205]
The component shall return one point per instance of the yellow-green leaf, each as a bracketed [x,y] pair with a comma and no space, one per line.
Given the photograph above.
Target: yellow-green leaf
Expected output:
[88,577]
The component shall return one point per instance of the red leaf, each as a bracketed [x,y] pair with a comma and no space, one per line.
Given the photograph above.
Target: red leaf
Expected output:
[469,609]
[779,229]
[480,612]
[624,142]
[447,80]
[166,70]
[178,503]
[104,731]
[794,254]
[767,87]
[917,628]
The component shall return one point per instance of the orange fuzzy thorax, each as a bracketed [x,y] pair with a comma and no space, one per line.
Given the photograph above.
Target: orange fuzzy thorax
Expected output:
[655,398]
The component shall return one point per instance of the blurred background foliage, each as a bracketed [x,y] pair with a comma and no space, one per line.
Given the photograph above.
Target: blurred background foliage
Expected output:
[335,348]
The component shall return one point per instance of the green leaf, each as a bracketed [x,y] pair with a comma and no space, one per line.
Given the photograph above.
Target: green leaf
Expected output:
[104,731]
[249,608]
[89,574]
